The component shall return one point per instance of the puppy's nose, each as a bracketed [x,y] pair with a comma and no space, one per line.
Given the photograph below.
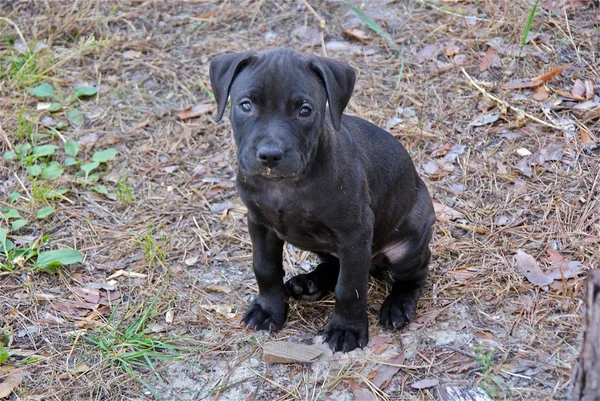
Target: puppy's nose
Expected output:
[269,155]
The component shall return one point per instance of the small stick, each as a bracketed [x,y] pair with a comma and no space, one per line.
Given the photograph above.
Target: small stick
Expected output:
[505,104]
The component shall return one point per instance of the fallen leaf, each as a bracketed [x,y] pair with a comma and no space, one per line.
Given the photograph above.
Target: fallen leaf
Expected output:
[585,137]
[578,89]
[484,119]
[553,151]
[460,59]
[451,50]
[91,295]
[554,255]
[529,267]
[81,368]
[122,272]
[356,34]
[489,59]
[225,310]
[524,166]
[549,75]
[541,93]
[565,270]
[568,95]
[446,213]
[9,382]
[426,318]
[169,316]
[361,393]
[379,344]
[385,373]
[425,383]
[454,393]
[196,111]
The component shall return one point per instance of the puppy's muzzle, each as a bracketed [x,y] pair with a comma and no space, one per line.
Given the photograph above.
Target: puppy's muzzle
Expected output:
[269,154]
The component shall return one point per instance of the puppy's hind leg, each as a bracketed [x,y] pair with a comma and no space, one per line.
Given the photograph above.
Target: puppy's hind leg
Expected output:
[318,283]
[408,277]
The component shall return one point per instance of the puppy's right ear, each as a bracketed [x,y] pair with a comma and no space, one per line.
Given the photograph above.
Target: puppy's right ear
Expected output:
[223,69]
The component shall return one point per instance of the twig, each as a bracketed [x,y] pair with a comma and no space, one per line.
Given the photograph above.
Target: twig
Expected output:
[9,21]
[505,104]
[5,136]
[441,10]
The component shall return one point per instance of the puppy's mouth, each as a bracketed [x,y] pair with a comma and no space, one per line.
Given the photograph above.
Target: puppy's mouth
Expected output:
[268,174]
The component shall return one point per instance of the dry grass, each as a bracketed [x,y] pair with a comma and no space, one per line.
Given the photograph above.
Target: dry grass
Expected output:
[482,323]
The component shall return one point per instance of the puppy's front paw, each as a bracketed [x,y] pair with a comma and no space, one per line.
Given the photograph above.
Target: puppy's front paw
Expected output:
[265,315]
[346,336]
[397,311]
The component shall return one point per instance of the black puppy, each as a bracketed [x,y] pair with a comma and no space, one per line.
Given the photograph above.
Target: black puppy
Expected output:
[325,182]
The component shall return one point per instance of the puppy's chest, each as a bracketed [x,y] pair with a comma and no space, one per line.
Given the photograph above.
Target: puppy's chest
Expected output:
[294,218]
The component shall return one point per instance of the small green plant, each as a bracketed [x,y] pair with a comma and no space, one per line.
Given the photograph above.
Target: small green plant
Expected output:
[5,341]
[528,25]
[132,345]
[490,382]
[124,190]
[28,253]
[153,248]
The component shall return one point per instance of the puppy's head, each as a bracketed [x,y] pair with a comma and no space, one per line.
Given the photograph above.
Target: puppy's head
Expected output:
[278,106]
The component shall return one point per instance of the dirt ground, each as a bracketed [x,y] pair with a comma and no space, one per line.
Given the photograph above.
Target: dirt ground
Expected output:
[512,167]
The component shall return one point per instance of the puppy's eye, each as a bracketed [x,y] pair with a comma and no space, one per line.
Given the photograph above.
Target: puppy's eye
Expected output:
[305,111]
[246,107]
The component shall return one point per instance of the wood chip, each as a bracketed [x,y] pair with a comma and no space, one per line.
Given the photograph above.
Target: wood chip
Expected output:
[454,393]
[284,352]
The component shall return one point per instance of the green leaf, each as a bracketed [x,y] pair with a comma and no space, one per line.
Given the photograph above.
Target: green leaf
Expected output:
[69,161]
[8,155]
[101,189]
[3,234]
[93,177]
[72,147]
[44,212]
[54,107]
[104,155]
[89,167]
[59,257]
[34,170]
[13,197]
[82,91]
[43,151]
[76,117]
[3,354]
[44,90]
[61,125]
[22,149]
[527,27]
[53,170]
[18,224]
[10,213]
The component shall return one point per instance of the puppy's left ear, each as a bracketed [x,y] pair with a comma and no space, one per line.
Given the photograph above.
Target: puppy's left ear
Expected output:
[223,69]
[338,78]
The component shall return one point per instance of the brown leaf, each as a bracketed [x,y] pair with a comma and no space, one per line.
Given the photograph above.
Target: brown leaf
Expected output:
[310,36]
[385,373]
[568,95]
[553,151]
[446,213]
[530,268]
[9,380]
[91,295]
[425,383]
[429,52]
[218,288]
[486,61]
[484,119]
[585,137]
[356,34]
[284,352]
[565,270]
[225,310]
[541,93]
[554,255]
[430,167]
[578,89]
[81,368]
[196,111]
[549,75]
[360,393]
[451,50]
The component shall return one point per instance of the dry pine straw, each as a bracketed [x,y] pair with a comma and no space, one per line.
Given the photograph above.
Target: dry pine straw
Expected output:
[181,173]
